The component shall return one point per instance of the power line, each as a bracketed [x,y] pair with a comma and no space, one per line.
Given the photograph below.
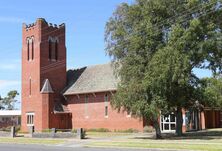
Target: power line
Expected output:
[184,14]
[183,18]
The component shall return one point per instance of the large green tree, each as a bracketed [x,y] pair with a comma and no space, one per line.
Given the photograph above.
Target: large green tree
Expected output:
[155,46]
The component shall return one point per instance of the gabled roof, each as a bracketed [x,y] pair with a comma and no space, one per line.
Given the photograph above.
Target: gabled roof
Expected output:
[91,79]
[47,87]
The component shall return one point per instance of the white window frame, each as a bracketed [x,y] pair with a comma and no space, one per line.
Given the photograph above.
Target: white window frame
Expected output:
[163,121]
[31,115]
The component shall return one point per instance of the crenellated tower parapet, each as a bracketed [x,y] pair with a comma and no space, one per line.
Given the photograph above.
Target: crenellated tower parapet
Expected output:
[41,21]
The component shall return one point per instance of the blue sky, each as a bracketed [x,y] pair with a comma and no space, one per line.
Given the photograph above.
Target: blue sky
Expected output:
[85,21]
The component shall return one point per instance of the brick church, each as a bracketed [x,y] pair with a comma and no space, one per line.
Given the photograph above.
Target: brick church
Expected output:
[53,97]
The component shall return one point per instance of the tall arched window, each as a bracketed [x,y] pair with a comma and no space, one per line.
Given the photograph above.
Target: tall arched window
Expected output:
[56,50]
[28,49]
[32,48]
[53,48]
[30,86]
[50,49]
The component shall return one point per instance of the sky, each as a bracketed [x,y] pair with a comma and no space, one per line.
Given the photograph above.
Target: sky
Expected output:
[85,23]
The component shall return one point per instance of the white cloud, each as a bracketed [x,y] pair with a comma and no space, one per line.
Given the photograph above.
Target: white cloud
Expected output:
[8,83]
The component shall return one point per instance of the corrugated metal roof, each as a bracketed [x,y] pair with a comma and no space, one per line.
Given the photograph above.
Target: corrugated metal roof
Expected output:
[97,78]
[10,112]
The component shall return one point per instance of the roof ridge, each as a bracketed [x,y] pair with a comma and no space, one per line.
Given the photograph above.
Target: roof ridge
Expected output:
[90,66]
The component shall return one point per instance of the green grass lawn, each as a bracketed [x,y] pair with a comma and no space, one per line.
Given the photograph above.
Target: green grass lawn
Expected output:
[163,144]
[31,141]
[210,140]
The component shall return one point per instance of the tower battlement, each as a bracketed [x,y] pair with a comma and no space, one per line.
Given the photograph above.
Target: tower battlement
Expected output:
[42,21]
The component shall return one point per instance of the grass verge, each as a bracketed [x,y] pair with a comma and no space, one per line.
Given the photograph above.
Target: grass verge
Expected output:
[31,141]
[160,145]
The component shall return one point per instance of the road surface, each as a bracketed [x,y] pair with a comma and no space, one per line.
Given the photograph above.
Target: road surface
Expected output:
[22,147]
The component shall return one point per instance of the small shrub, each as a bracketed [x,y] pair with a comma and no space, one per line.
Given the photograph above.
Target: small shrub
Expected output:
[98,130]
[17,128]
[22,132]
[46,131]
[6,129]
[148,129]
[74,130]
[127,131]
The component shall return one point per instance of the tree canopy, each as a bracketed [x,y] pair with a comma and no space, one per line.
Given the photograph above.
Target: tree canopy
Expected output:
[212,92]
[155,45]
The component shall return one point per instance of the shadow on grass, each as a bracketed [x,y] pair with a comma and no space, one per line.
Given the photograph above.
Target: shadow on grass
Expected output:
[204,135]
[20,135]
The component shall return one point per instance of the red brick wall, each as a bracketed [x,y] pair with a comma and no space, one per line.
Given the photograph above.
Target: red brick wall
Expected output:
[96,114]
[39,69]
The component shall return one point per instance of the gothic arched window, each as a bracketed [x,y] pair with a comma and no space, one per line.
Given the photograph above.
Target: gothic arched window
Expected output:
[56,50]
[28,49]
[50,49]
[53,48]
[32,48]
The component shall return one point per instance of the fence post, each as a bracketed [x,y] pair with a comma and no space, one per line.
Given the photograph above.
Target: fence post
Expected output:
[53,132]
[31,130]
[80,133]
[13,131]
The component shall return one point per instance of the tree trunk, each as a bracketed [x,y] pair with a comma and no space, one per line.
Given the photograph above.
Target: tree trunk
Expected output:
[156,125]
[179,121]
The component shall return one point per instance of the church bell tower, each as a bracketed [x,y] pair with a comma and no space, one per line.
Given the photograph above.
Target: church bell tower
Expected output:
[43,73]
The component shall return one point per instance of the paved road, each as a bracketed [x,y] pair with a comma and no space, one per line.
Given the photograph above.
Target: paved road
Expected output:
[18,147]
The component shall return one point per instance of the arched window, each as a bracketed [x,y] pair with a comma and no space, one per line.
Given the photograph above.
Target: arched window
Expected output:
[53,48]
[28,49]
[32,48]
[30,86]
[50,49]
[56,50]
